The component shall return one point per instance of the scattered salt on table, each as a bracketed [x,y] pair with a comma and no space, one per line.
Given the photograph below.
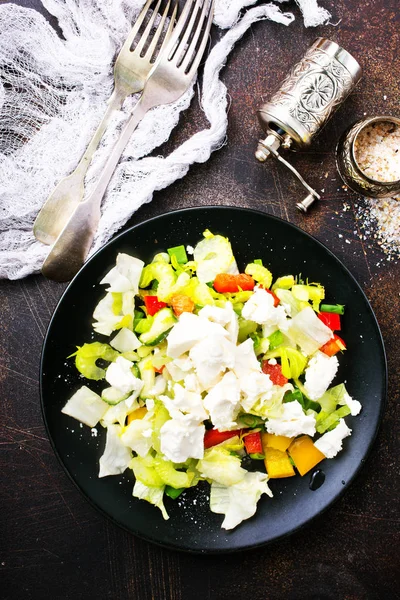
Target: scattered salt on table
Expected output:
[377,151]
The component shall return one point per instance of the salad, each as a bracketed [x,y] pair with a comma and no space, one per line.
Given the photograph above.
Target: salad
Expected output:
[206,373]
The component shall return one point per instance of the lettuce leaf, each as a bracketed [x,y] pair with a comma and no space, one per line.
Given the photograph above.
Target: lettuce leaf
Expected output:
[220,466]
[104,315]
[152,494]
[238,501]
[85,406]
[308,331]
[116,456]
[213,255]
[125,276]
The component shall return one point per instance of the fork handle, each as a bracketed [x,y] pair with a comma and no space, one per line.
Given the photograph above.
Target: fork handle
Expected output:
[61,203]
[73,244]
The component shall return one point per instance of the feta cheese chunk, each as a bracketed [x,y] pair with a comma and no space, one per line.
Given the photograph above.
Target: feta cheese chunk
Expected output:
[86,406]
[255,386]
[188,331]
[192,383]
[211,357]
[222,316]
[225,316]
[260,308]
[181,439]
[120,376]
[292,421]
[319,374]
[354,405]
[245,359]
[185,402]
[223,402]
[331,442]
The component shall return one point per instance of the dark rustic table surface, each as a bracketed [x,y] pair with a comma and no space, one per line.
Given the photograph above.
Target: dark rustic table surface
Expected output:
[53,543]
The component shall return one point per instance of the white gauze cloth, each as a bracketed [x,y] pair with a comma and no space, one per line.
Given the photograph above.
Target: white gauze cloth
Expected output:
[53,93]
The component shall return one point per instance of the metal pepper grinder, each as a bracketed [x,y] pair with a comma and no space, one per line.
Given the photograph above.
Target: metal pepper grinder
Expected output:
[307,97]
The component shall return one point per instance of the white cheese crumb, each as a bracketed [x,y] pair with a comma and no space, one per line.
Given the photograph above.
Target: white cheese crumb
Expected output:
[331,442]
[354,405]
[292,421]
[319,374]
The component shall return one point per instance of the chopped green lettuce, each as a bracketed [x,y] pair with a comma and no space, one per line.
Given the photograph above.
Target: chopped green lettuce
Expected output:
[125,276]
[125,340]
[220,466]
[152,494]
[213,255]
[238,501]
[105,318]
[116,457]
[308,332]
[85,406]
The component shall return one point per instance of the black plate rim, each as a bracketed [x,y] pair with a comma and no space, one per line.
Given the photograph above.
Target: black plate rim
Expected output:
[335,498]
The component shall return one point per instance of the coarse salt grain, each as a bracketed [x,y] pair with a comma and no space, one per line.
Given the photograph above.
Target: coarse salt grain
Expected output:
[380,218]
[377,151]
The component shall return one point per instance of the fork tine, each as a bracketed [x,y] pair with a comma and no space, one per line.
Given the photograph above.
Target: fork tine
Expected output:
[188,30]
[174,39]
[146,34]
[160,27]
[200,50]
[137,25]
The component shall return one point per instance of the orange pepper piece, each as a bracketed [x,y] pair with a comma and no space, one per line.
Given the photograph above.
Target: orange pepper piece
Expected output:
[279,442]
[277,464]
[304,454]
[231,283]
[139,413]
[181,303]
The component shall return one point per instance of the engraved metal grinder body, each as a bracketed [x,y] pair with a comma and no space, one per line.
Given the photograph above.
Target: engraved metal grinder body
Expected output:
[306,99]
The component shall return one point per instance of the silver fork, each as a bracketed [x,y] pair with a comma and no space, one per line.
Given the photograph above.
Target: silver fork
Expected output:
[131,70]
[169,79]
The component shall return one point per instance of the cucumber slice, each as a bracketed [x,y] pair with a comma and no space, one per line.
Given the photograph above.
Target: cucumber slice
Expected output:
[112,396]
[135,371]
[163,321]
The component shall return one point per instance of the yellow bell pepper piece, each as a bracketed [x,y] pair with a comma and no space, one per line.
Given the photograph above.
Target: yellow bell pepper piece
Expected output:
[304,454]
[139,413]
[279,442]
[278,464]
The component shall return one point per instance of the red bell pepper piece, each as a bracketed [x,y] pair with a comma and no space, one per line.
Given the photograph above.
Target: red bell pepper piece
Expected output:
[153,305]
[331,320]
[333,346]
[275,373]
[231,283]
[253,443]
[213,437]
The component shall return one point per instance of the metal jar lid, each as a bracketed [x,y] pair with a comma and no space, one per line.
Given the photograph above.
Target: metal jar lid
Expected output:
[349,169]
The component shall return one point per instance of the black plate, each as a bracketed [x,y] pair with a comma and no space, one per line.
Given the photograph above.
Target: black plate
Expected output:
[192,527]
